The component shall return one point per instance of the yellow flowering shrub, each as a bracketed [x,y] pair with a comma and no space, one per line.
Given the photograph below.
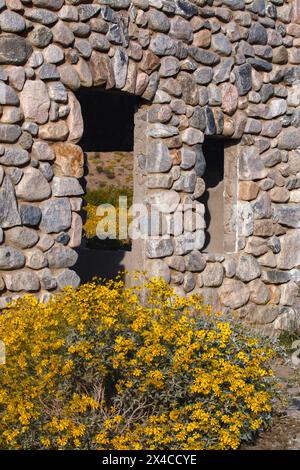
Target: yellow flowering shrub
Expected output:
[99,368]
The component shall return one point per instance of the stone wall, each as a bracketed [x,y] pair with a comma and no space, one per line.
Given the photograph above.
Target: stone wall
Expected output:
[226,68]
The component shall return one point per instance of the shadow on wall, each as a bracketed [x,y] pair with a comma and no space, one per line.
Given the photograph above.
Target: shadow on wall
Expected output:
[213,197]
[101,263]
[108,120]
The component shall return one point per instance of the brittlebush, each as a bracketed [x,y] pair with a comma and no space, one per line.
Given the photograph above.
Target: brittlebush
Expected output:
[97,368]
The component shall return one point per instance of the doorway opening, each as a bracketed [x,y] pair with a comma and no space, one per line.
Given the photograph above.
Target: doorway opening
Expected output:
[220,197]
[108,144]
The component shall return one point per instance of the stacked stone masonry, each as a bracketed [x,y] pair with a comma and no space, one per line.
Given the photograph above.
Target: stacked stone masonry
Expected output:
[201,68]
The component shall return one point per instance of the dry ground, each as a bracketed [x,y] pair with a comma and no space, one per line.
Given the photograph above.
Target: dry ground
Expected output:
[285,430]
[109,169]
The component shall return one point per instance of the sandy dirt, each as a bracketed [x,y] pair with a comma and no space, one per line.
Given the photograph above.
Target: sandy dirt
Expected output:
[109,169]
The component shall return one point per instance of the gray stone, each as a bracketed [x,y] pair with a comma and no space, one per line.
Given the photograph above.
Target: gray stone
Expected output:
[213,275]
[271,158]
[189,88]
[45,242]
[194,262]
[47,280]
[275,244]
[289,293]
[15,174]
[289,256]
[26,141]
[67,278]
[189,241]
[166,201]
[46,170]
[188,282]
[203,75]
[287,214]
[65,186]
[176,262]
[200,165]
[14,50]
[262,206]
[9,215]
[251,165]
[192,136]
[271,129]
[234,294]
[159,248]
[162,45]
[120,66]
[161,131]
[99,42]
[185,8]
[9,133]
[188,158]
[56,215]
[53,54]
[41,15]
[253,126]
[263,315]
[12,22]
[87,11]
[35,101]
[260,65]
[62,34]
[51,4]
[186,182]
[40,36]
[245,218]
[33,186]
[223,70]
[35,259]
[30,215]
[248,268]
[12,115]
[49,72]
[159,181]
[274,276]
[243,80]
[151,89]
[42,151]
[83,47]
[22,237]
[203,56]
[169,66]
[11,258]
[159,159]
[288,320]
[69,76]
[289,138]
[257,34]
[14,156]
[22,280]
[158,21]
[181,29]
[61,257]
[7,95]
[221,44]
[58,92]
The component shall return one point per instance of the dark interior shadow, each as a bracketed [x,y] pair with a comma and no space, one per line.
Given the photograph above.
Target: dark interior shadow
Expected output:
[213,150]
[108,120]
[101,263]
